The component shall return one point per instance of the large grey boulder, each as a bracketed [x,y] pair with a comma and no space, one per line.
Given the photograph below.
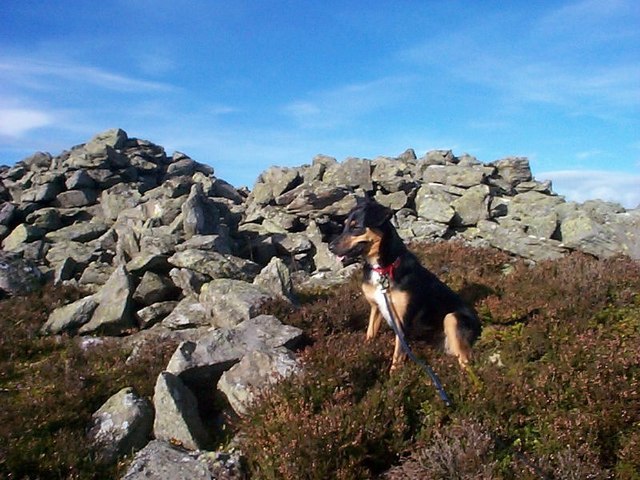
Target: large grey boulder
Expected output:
[218,350]
[21,235]
[511,171]
[537,212]
[152,314]
[472,206]
[70,317]
[434,204]
[257,370]
[114,314]
[7,213]
[188,313]
[584,233]
[214,264]
[456,175]
[78,232]
[228,302]
[272,183]
[353,172]
[162,461]
[275,279]
[154,288]
[177,419]
[511,237]
[121,426]
[199,215]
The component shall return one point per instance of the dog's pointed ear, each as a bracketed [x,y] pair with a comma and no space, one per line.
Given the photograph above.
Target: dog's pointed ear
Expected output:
[376,214]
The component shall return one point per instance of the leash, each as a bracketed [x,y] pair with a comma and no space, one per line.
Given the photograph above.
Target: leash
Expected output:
[424,365]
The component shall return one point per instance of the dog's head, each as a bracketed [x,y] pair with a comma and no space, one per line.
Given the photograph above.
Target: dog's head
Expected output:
[362,233]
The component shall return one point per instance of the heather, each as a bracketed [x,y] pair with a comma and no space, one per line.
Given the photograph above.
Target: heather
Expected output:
[558,361]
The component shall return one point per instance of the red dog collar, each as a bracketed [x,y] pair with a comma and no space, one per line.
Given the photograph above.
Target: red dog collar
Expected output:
[388,270]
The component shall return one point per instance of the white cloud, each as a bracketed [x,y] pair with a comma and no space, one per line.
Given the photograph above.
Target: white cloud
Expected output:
[39,74]
[15,122]
[582,185]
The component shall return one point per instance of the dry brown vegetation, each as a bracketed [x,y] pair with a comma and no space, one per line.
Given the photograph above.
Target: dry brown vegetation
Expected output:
[558,358]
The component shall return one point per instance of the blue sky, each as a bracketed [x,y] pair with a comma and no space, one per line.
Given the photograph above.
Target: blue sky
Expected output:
[242,85]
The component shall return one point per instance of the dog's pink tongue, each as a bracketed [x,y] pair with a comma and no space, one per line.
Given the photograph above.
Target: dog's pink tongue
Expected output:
[340,257]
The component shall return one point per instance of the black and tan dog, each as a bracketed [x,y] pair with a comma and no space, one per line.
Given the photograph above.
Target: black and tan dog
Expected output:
[423,306]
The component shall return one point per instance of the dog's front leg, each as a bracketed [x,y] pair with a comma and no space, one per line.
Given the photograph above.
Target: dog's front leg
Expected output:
[375,319]
[399,355]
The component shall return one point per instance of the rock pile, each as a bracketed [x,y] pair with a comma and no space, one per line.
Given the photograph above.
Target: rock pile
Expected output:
[167,250]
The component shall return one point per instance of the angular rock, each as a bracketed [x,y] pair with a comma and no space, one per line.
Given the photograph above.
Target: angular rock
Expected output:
[17,275]
[117,199]
[7,213]
[199,215]
[188,313]
[256,370]
[537,212]
[80,179]
[272,183]
[214,264]
[79,232]
[81,253]
[512,171]
[353,172]
[213,353]
[115,138]
[76,198]
[512,238]
[39,161]
[434,204]
[121,426]
[177,419]
[20,235]
[395,201]
[95,275]
[229,302]
[71,317]
[275,279]
[47,219]
[456,175]
[161,461]
[149,316]
[472,206]
[154,288]
[188,281]
[114,315]
[584,233]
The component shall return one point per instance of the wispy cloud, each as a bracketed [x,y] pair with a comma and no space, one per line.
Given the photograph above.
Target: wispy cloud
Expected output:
[342,104]
[39,74]
[542,65]
[15,122]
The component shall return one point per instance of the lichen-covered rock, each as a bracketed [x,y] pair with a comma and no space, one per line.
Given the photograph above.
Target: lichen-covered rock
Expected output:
[114,313]
[257,369]
[17,275]
[70,317]
[177,419]
[121,426]
[229,302]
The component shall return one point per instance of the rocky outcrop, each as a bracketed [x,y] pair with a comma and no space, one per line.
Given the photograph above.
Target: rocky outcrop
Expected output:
[164,249]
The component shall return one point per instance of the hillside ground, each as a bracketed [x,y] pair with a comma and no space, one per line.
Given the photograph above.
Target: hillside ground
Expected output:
[558,361]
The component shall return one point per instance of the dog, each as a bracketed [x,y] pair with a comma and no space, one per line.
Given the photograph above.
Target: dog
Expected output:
[423,306]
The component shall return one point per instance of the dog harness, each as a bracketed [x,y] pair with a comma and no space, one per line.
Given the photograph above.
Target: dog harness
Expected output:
[385,275]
